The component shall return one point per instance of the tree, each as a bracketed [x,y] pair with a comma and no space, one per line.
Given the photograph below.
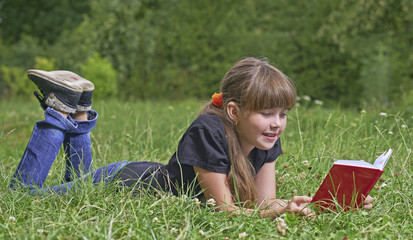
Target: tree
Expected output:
[42,19]
[379,34]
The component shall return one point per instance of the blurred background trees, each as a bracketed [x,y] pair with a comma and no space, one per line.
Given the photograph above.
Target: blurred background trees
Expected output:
[351,52]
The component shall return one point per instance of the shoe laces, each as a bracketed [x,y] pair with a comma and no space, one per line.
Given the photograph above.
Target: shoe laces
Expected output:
[41,98]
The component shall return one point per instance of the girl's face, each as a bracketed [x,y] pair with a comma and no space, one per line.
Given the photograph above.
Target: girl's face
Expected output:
[261,129]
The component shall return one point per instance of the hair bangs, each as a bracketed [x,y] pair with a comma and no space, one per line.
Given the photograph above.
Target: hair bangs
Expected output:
[269,89]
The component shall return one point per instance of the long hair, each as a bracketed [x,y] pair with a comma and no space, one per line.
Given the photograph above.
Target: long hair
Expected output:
[253,84]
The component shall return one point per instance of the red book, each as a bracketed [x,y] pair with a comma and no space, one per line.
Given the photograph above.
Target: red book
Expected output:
[348,182]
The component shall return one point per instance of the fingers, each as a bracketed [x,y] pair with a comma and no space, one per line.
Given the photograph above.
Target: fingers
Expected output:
[301,199]
[368,200]
[306,211]
[368,203]
[368,206]
[299,204]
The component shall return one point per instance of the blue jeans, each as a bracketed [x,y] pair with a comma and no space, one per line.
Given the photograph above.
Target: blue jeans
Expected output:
[106,174]
[41,151]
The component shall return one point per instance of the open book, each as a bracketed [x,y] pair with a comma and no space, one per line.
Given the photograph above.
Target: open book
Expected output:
[349,182]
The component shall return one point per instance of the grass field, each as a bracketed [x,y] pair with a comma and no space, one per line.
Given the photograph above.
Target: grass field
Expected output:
[314,138]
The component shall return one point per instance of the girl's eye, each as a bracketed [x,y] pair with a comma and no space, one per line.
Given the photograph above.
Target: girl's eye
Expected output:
[283,114]
[266,113]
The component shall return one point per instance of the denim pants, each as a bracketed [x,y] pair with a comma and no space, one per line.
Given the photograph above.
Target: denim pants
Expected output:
[44,145]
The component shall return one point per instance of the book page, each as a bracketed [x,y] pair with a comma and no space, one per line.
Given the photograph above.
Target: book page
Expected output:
[382,160]
[378,164]
[356,163]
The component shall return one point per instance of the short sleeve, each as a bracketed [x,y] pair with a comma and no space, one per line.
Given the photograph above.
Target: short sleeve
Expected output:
[274,152]
[204,147]
[260,157]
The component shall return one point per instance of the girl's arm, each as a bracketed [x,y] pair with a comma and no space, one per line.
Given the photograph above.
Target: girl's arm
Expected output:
[266,190]
[215,186]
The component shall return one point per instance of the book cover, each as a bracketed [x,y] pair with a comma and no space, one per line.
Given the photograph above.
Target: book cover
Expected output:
[348,182]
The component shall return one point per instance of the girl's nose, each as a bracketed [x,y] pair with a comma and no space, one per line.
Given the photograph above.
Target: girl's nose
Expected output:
[275,123]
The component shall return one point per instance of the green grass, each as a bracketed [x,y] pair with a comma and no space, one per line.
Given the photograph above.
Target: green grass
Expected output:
[314,138]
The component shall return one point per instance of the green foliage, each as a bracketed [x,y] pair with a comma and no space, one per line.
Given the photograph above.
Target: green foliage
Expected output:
[101,73]
[375,77]
[42,19]
[371,32]
[351,52]
[15,81]
[21,54]
[72,48]
[45,64]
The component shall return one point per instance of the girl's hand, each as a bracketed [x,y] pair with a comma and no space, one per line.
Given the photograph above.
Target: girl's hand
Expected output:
[368,202]
[298,204]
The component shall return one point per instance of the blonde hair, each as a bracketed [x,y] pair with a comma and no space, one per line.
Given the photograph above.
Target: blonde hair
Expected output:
[253,84]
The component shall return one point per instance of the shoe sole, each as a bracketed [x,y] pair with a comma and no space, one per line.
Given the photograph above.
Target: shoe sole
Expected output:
[86,85]
[57,79]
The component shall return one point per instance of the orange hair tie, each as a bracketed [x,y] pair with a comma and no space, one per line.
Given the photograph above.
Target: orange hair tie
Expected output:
[217,99]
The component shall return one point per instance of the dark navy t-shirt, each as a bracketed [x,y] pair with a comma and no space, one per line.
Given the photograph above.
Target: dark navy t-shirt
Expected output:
[203,145]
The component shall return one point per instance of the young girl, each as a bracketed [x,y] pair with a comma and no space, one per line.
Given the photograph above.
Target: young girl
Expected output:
[228,153]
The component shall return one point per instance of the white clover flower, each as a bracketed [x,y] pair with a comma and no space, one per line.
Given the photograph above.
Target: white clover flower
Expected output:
[286,175]
[12,219]
[297,104]
[383,114]
[318,102]
[363,111]
[242,235]
[40,230]
[383,185]
[307,98]
[276,172]
[197,202]
[201,232]
[236,212]
[409,150]
[297,98]
[283,215]
[305,163]
[404,126]
[281,227]
[155,219]
[390,132]
[174,230]
[211,202]
[279,220]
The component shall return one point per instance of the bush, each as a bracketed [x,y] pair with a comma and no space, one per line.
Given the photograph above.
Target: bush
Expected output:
[15,81]
[102,74]
[45,64]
